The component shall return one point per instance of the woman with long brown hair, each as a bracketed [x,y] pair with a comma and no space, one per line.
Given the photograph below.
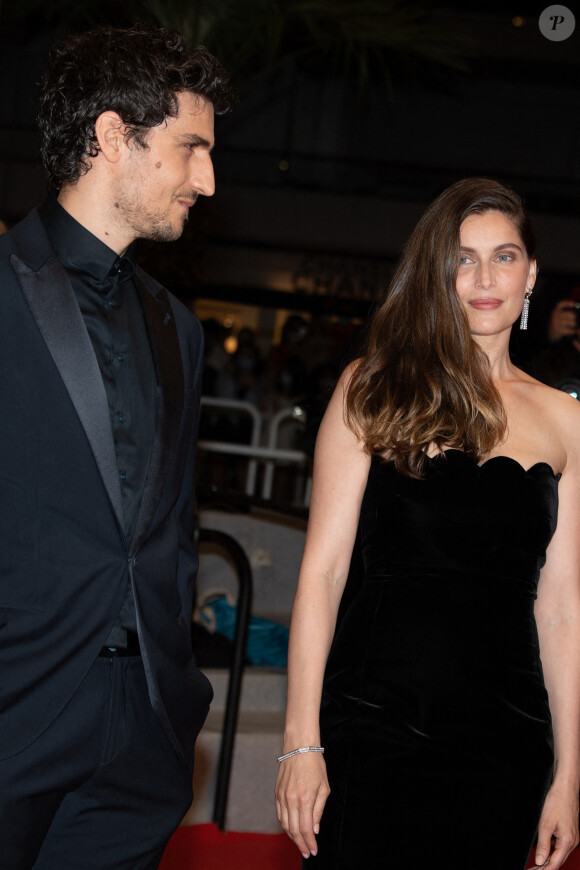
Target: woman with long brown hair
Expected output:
[441,727]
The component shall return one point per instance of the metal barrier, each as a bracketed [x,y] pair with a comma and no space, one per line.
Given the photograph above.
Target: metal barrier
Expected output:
[240,408]
[269,454]
[244,608]
[296,414]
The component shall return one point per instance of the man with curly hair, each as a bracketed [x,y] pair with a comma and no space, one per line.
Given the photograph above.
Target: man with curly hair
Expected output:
[100,699]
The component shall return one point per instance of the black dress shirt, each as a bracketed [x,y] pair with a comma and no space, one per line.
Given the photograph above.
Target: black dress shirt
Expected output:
[111,308]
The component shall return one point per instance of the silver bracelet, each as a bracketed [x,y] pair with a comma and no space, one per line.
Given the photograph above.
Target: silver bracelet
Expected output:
[300,751]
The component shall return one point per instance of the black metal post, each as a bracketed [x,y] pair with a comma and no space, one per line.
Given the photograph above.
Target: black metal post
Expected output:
[237,667]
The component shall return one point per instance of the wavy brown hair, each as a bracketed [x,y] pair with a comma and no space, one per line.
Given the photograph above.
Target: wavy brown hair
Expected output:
[423,381]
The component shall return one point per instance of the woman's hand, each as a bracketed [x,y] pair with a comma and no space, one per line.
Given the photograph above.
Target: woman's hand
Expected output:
[559,820]
[301,792]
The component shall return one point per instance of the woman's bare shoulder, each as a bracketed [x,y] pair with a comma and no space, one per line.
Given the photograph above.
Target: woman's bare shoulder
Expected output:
[565,406]
[559,415]
[349,371]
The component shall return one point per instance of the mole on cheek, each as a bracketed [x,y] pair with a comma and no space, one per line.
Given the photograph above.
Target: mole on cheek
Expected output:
[116,205]
[158,164]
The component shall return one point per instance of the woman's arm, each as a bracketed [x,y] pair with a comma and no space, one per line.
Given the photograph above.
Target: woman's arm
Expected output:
[558,620]
[340,476]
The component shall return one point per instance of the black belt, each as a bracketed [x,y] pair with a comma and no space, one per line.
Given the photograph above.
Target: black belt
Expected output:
[132,648]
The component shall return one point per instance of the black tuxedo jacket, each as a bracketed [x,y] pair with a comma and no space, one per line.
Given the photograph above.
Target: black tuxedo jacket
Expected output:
[64,557]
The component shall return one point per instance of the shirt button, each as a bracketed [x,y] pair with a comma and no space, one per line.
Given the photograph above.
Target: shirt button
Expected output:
[121,417]
[111,303]
[120,357]
[123,475]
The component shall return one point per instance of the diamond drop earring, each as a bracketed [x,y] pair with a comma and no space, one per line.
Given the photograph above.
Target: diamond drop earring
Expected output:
[525,310]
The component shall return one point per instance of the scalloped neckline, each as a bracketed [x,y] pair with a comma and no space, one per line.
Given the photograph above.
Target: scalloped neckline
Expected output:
[501,456]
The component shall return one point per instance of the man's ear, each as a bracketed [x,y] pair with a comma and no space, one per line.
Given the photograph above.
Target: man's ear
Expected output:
[110,134]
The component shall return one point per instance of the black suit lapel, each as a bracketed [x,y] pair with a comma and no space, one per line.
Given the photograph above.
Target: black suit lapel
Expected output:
[169,399]
[54,307]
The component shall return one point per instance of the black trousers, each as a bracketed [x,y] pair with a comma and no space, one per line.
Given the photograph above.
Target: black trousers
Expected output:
[102,788]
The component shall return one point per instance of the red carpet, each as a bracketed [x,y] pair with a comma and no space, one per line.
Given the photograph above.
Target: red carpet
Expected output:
[203,847]
[573,862]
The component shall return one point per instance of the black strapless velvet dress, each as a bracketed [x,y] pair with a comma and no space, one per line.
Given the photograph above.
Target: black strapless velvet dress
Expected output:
[434,714]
